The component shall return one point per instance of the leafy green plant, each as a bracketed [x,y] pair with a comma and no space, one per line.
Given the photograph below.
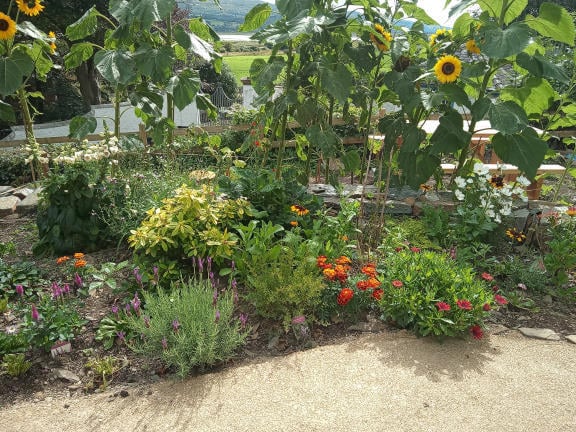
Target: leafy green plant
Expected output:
[8,248]
[16,365]
[23,273]
[106,276]
[109,329]
[282,286]
[560,257]
[192,325]
[431,294]
[271,196]
[50,321]
[104,369]
[3,304]
[12,343]
[194,223]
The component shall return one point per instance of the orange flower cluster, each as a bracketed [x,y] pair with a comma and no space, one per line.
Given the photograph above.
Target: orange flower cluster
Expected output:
[79,260]
[337,271]
[372,282]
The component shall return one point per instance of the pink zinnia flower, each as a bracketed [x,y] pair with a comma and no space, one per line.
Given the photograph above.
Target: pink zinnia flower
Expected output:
[477,332]
[443,306]
[397,283]
[464,304]
[500,300]
[487,277]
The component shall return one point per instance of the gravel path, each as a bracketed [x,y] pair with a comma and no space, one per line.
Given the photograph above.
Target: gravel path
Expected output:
[383,382]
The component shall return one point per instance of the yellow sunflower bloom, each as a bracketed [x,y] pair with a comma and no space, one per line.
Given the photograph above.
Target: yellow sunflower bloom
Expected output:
[448,69]
[7,27]
[439,36]
[30,7]
[472,47]
[384,35]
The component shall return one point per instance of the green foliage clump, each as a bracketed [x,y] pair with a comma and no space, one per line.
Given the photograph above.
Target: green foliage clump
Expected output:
[13,169]
[12,343]
[268,194]
[16,364]
[23,273]
[194,223]
[431,294]
[282,285]
[560,257]
[192,325]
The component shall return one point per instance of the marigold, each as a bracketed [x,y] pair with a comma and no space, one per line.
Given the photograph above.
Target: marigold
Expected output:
[477,332]
[51,35]
[377,294]
[464,304]
[448,69]
[299,210]
[369,269]
[80,263]
[62,259]
[472,47]
[362,285]
[7,27]
[383,39]
[343,260]
[321,260]
[571,211]
[329,273]
[344,296]
[30,7]
[373,283]
[78,255]
[294,223]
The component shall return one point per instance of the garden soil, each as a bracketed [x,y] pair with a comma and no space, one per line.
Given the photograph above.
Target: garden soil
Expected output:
[390,381]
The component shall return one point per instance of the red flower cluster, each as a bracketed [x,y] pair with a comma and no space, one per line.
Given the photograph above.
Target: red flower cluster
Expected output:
[344,296]
[477,332]
[464,304]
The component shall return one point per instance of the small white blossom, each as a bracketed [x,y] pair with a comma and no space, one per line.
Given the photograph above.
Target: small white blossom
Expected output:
[480,169]
[523,181]
[460,182]
[459,194]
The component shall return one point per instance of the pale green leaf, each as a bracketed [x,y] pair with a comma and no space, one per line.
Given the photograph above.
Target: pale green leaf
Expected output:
[256,17]
[78,54]
[555,22]
[525,150]
[85,26]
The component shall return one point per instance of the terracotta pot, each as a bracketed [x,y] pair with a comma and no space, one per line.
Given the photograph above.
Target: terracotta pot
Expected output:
[534,189]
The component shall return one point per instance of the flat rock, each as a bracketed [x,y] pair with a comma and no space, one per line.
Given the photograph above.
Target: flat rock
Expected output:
[22,192]
[6,190]
[367,327]
[539,333]
[8,205]
[30,203]
[66,375]
[497,329]
[571,338]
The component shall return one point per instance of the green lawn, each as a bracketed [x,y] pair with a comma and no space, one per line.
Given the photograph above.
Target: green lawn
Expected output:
[240,65]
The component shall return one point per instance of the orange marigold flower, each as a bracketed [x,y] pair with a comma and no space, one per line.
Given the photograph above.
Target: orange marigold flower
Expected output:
[377,294]
[62,259]
[78,255]
[294,223]
[369,269]
[571,211]
[362,285]
[343,260]
[329,273]
[80,263]
[374,283]
[321,260]
[344,296]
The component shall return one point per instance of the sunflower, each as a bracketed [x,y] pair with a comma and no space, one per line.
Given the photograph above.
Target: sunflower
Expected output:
[383,36]
[7,27]
[472,47]
[447,69]
[439,36]
[30,7]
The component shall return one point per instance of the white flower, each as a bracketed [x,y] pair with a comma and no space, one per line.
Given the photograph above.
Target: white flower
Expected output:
[480,168]
[523,181]
[505,210]
[506,191]
[497,219]
[460,182]
[490,213]
[459,194]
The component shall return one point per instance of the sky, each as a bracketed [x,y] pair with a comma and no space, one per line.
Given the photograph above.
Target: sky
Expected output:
[434,8]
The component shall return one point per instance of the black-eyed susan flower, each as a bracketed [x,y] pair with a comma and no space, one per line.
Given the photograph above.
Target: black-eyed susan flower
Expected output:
[383,39]
[448,69]
[472,47]
[7,27]
[299,210]
[30,7]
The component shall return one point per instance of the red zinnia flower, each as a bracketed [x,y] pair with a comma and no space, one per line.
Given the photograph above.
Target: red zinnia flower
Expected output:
[477,332]
[415,249]
[377,294]
[397,284]
[500,300]
[443,306]
[487,277]
[464,304]
[344,296]
[486,307]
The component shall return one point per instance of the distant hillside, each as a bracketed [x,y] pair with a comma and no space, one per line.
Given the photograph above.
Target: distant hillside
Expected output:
[225,19]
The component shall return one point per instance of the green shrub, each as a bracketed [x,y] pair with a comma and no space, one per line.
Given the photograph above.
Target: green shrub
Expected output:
[433,295]
[23,273]
[16,364]
[13,170]
[188,326]
[194,223]
[12,343]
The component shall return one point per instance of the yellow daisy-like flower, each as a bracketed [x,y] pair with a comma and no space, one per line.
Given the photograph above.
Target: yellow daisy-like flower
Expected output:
[7,27]
[30,7]
[299,210]
[571,211]
[448,69]
[472,47]
[440,35]
[52,35]
[294,223]
[382,42]
[52,47]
